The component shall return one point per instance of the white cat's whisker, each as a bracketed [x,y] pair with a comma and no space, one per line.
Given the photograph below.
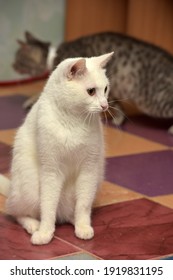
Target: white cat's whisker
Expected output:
[118,100]
[111,114]
[105,115]
[90,117]
[87,116]
[121,112]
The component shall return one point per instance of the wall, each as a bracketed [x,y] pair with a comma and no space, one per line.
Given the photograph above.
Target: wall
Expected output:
[150,20]
[90,16]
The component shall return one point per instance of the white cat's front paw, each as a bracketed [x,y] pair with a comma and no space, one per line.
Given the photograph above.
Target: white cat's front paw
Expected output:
[41,237]
[84,232]
[32,226]
[29,224]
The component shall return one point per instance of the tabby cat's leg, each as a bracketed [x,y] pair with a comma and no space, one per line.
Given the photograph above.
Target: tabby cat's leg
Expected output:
[170,130]
[117,113]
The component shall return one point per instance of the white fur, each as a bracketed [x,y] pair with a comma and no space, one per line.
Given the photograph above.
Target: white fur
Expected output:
[50,57]
[58,155]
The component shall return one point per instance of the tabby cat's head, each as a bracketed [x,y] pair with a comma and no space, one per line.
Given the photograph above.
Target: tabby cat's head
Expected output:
[31,57]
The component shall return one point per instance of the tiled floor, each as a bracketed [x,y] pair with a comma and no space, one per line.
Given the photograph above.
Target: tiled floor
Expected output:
[133,211]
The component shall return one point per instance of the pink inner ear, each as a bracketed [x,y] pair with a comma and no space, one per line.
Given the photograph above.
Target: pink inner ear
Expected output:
[74,69]
[78,69]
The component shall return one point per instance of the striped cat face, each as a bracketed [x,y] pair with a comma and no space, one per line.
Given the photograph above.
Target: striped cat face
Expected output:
[31,56]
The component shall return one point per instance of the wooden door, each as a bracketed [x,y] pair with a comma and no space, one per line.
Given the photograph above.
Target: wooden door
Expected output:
[150,20]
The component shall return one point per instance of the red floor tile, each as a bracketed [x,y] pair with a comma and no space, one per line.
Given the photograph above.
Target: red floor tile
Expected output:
[15,244]
[139,229]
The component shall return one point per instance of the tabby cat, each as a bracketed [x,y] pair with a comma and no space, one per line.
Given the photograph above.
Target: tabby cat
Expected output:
[140,72]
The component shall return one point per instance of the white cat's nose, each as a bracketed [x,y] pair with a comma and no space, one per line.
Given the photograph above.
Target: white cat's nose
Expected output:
[104,107]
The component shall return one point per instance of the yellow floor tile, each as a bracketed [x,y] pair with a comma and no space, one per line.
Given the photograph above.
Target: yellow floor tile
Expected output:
[120,143]
[111,193]
[108,194]
[27,89]
[166,200]
[7,136]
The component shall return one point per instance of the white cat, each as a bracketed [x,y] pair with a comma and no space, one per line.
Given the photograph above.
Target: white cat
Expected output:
[58,155]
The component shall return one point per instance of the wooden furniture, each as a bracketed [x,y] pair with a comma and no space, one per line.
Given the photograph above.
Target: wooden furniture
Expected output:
[150,20]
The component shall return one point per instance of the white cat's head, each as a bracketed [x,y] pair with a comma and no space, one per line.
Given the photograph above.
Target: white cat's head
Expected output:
[82,84]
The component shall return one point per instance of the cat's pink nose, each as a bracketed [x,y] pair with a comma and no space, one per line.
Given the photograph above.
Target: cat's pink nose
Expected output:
[104,107]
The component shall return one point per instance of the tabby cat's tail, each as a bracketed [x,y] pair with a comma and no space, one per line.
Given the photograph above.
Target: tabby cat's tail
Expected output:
[4,185]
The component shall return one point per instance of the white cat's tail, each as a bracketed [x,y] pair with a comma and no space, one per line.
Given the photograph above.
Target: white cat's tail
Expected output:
[4,185]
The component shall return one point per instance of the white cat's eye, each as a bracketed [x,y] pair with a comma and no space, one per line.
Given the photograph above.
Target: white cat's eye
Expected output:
[106,89]
[91,91]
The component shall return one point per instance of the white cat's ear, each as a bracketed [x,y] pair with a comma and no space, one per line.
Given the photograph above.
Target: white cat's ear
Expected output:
[76,69]
[104,59]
